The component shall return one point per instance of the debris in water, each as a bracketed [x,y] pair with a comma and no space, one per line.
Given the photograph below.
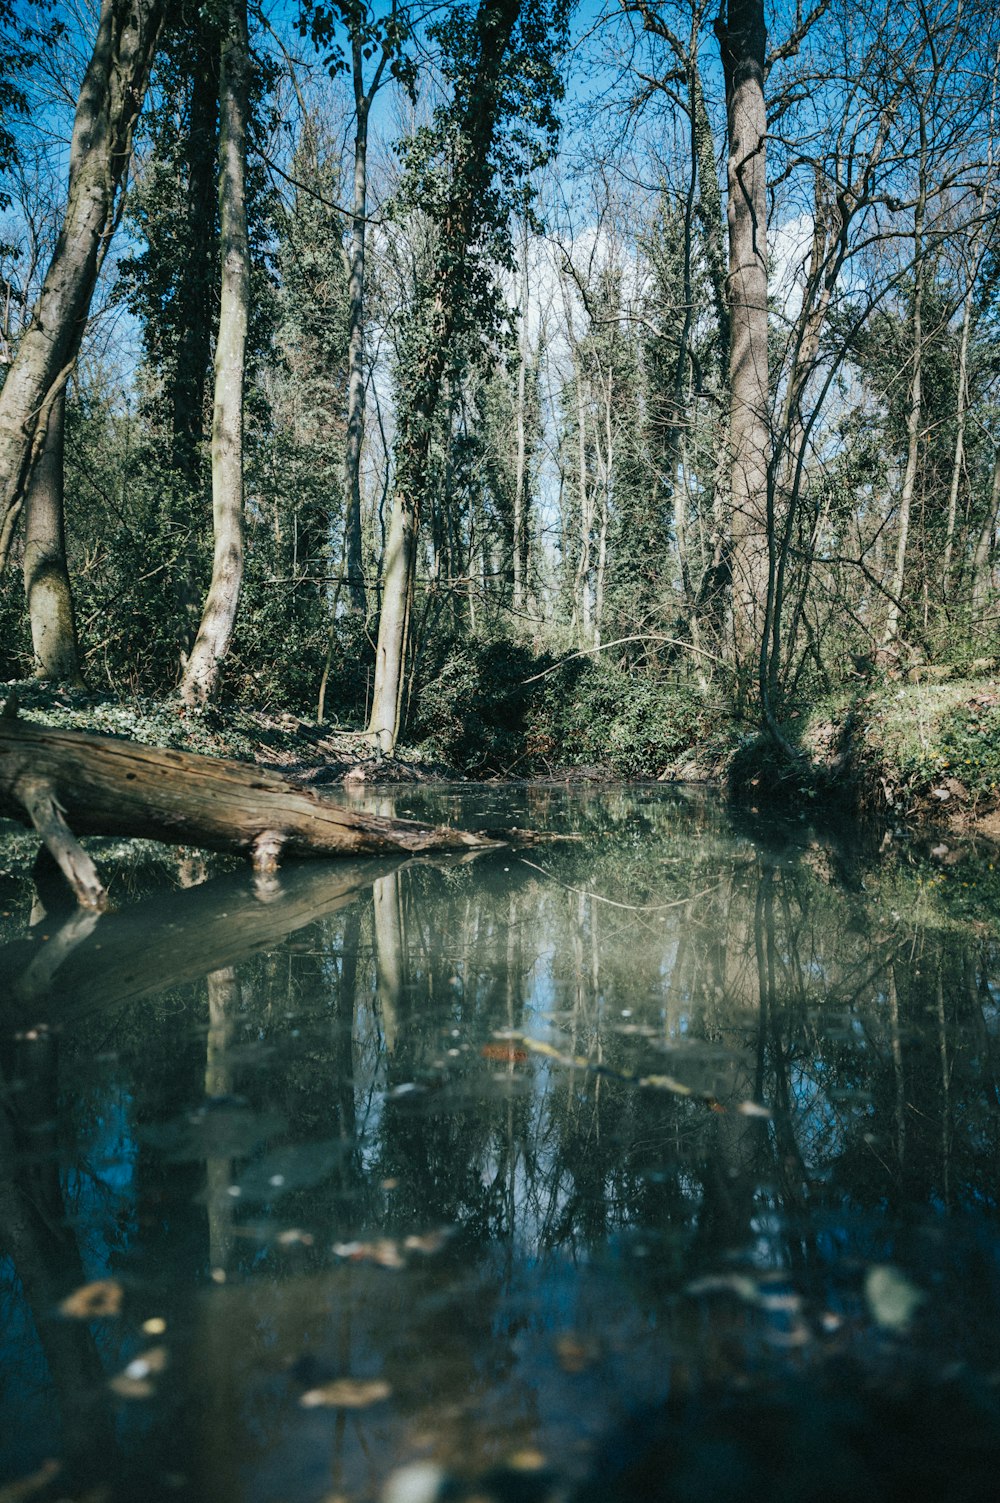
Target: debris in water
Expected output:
[575,1356]
[386,1252]
[753,1109]
[526,1460]
[892,1299]
[505,1054]
[420,1482]
[346,1393]
[35,1482]
[131,1388]
[101,1298]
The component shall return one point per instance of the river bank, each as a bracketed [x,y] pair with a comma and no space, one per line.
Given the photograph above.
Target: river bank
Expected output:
[925,755]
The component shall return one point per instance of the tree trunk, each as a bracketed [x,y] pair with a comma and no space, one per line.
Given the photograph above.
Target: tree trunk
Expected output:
[494,25]
[68,783]
[111,97]
[982,560]
[742,42]
[519,551]
[582,597]
[914,415]
[958,458]
[201,677]
[709,204]
[394,621]
[356,326]
[46,577]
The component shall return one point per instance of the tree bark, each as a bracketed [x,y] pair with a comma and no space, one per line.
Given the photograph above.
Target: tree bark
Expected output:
[958,458]
[111,97]
[914,416]
[519,549]
[68,783]
[742,43]
[46,578]
[494,26]
[201,676]
[356,326]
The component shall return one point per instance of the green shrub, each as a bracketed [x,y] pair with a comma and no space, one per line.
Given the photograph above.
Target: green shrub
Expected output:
[471,703]
[494,707]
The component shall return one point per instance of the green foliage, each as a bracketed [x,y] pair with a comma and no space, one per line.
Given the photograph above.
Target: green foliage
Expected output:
[951,741]
[635,725]
[471,705]
[333,28]
[493,707]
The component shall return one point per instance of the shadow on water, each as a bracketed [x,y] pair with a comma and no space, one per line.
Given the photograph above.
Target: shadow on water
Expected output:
[654,1163]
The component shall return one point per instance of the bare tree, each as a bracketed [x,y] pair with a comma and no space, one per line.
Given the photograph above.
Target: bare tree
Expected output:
[201,675]
[111,96]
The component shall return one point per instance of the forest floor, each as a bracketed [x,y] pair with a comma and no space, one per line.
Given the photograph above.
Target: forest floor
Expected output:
[921,754]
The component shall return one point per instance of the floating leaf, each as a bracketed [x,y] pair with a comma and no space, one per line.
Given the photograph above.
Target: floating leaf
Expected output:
[131,1388]
[892,1299]
[575,1356]
[346,1393]
[507,1054]
[101,1298]
[35,1482]
[420,1482]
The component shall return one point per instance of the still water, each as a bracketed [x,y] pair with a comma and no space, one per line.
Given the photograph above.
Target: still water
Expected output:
[660,1161]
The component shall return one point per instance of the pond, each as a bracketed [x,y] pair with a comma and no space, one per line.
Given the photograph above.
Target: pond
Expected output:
[658,1161]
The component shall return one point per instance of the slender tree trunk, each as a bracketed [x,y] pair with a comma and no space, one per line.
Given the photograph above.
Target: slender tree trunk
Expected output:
[606,462]
[196,292]
[46,577]
[224,1002]
[586,502]
[958,458]
[742,41]
[709,204]
[520,540]
[356,326]
[494,25]
[201,677]
[915,412]
[111,97]
[390,955]
[983,557]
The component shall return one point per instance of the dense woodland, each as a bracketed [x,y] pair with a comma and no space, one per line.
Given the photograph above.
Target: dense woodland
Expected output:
[501,375]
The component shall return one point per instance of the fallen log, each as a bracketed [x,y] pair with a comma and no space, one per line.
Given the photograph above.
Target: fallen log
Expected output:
[70,783]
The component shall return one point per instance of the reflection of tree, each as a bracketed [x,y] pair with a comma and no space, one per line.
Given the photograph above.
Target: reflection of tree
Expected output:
[223,1008]
[840,1060]
[35,1238]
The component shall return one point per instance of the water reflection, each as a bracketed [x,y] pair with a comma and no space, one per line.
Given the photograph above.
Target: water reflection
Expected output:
[483,1160]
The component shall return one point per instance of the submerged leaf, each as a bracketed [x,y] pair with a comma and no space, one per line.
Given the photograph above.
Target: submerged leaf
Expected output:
[346,1393]
[892,1299]
[101,1298]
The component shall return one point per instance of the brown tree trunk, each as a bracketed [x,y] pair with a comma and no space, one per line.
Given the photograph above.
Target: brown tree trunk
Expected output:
[742,42]
[111,97]
[201,676]
[46,577]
